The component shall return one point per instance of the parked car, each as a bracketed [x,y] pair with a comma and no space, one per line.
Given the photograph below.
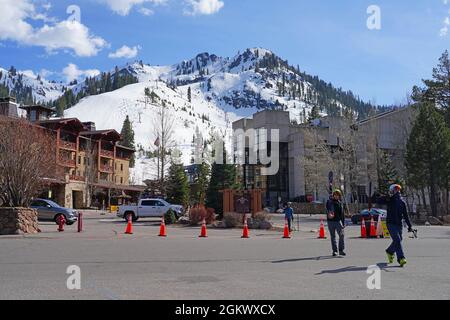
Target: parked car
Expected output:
[366,214]
[51,211]
[149,208]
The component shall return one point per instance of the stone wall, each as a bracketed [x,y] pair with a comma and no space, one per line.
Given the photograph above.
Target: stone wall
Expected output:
[18,221]
[313,208]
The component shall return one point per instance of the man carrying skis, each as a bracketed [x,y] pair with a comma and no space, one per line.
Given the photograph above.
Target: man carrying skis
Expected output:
[396,213]
[336,222]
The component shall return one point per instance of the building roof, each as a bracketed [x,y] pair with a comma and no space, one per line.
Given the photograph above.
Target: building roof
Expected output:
[70,123]
[383,114]
[126,148]
[120,187]
[37,107]
[110,134]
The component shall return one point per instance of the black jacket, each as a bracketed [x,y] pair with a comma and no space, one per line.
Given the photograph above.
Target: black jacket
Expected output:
[338,209]
[396,210]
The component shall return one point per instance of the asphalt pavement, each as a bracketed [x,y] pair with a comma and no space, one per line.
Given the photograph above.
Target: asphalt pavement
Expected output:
[223,266]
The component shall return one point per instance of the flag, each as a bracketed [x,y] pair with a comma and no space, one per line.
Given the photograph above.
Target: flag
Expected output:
[157,142]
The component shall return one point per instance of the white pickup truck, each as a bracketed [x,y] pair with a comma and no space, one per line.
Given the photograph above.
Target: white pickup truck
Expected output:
[148,208]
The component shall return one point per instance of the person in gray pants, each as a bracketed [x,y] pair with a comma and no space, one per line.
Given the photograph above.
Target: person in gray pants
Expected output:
[336,222]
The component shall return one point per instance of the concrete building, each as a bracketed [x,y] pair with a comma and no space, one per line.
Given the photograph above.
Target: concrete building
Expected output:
[327,149]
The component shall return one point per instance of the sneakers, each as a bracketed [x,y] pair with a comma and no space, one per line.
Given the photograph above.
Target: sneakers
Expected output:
[342,253]
[335,254]
[391,257]
[402,262]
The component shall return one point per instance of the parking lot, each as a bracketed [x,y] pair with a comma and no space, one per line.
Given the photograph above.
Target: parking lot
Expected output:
[223,266]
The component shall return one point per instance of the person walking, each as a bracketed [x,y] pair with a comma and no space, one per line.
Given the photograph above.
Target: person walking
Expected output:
[336,222]
[396,213]
[289,215]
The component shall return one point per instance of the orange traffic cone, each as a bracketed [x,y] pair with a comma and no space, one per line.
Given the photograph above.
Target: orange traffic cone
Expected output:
[203,233]
[245,234]
[373,231]
[363,229]
[380,231]
[162,229]
[322,230]
[129,229]
[287,234]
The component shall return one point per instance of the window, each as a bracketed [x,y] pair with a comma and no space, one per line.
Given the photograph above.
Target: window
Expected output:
[121,167]
[121,180]
[149,203]
[33,115]
[79,160]
[39,203]
[159,204]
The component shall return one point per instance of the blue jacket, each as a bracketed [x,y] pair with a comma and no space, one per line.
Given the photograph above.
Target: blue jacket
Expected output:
[396,210]
[338,210]
[289,214]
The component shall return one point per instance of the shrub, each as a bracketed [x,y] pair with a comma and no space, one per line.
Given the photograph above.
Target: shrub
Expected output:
[198,213]
[232,219]
[170,217]
[262,216]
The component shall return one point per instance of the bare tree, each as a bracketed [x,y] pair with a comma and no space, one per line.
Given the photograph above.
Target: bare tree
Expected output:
[164,134]
[27,161]
[317,161]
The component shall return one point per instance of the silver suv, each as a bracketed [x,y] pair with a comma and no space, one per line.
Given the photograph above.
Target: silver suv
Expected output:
[51,211]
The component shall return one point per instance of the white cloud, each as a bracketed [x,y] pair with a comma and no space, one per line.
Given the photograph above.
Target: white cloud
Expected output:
[203,7]
[125,52]
[146,11]
[71,72]
[444,31]
[29,73]
[68,35]
[123,7]
[44,73]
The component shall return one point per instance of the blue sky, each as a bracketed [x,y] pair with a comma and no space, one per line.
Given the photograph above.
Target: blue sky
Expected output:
[325,38]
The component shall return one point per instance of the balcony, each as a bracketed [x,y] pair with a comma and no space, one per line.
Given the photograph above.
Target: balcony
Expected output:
[66,162]
[106,168]
[124,158]
[77,178]
[68,145]
[107,153]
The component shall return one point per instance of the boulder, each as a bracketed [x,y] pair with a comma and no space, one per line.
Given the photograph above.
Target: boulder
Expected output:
[184,221]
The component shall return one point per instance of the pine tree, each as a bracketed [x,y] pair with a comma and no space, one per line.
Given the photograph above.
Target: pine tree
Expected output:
[223,176]
[387,173]
[314,113]
[189,94]
[427,155]
[127,134]
[177,184]
[200,185]
[440,85]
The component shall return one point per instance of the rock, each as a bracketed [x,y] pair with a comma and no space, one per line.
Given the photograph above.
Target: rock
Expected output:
[446,219]
[219,225]
[18,221]
[265,225]
[435,221]
[184,221]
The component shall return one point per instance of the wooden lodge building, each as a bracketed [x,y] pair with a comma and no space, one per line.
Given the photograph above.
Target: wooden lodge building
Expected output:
[95,165]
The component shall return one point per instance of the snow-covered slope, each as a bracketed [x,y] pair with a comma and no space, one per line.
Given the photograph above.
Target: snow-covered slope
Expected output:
[208,93]
[27,84]
[110,109]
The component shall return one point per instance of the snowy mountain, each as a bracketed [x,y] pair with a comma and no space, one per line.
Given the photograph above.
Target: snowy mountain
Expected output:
[207,94]
[29,88]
